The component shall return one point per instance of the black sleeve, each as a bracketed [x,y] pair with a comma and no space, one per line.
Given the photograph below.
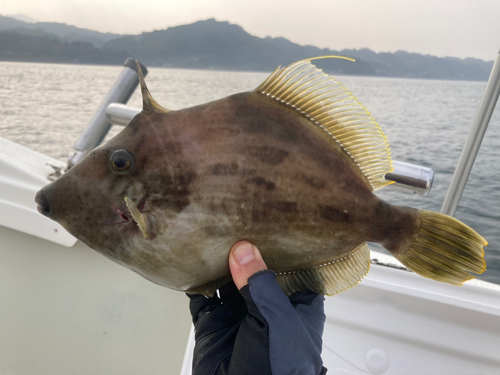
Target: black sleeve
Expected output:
[258,330]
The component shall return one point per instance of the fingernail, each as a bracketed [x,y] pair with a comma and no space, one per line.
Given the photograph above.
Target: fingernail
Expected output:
[244,253]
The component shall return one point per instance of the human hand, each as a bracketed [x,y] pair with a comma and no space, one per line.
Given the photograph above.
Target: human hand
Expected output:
[252,327]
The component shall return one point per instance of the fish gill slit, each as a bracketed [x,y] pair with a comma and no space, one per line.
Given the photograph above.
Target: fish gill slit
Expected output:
[314,121]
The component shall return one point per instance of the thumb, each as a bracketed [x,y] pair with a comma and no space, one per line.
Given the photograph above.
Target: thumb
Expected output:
[244,261]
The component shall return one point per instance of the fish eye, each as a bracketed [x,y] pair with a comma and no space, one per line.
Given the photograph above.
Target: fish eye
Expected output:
[121,161]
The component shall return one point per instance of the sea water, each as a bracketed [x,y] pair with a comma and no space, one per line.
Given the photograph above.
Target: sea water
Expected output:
[46,106]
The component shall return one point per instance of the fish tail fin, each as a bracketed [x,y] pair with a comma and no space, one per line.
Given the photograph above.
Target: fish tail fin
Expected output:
[445,250]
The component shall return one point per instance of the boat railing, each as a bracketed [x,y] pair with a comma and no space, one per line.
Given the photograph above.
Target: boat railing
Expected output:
[98,126]
[473,142]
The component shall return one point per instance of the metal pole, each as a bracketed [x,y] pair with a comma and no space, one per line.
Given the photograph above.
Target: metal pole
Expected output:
[98,126]
[121,114]
[411,178]
[476,135]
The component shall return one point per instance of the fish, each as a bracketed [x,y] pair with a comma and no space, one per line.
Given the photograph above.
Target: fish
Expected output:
[291,166]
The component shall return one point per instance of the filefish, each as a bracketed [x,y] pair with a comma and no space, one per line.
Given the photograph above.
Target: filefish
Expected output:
[291,167]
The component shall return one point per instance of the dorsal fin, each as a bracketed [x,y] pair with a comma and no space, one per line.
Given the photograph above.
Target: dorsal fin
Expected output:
[148,103]
[334,109]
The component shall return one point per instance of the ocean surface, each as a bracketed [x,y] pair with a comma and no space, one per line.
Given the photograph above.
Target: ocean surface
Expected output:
[46,106]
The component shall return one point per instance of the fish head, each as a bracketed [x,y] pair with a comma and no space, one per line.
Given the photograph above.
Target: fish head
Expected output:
[106,200]
[118,198]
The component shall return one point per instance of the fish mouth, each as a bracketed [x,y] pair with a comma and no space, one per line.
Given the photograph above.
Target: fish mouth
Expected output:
[145,221]
[123,217]
[43,205]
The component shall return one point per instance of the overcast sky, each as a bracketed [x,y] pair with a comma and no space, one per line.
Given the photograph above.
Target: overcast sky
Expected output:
[460,28]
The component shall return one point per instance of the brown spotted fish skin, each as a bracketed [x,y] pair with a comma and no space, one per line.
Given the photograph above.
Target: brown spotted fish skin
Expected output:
[246,167]
[240,168]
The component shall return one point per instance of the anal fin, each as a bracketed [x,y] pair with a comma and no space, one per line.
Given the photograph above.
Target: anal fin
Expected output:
[328,278]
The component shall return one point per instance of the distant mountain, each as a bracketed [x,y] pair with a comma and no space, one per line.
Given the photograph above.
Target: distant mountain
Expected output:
[35,48]
[7,23]
[220,45]
[414,65]
[211,44]
[63,32]
[21,17]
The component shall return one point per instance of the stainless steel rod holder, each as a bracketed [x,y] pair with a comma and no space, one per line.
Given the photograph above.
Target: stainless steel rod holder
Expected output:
[98,126]
[411,178]
[473,142]
[120,114]
[407,177]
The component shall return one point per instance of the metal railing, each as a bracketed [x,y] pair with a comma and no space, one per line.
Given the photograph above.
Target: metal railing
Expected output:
[98,126]
[473,142]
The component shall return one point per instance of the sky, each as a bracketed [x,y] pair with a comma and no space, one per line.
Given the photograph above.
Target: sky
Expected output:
[458,28]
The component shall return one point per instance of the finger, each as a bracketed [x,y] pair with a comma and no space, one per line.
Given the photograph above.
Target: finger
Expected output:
[244,261]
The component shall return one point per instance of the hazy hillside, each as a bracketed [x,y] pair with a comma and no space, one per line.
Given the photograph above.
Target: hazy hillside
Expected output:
[21,47]
[211,44]
[63,32]
[7,23]
[221,45]
[21,17]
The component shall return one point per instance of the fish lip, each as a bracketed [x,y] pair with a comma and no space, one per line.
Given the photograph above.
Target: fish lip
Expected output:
[124,218]
[43,206]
